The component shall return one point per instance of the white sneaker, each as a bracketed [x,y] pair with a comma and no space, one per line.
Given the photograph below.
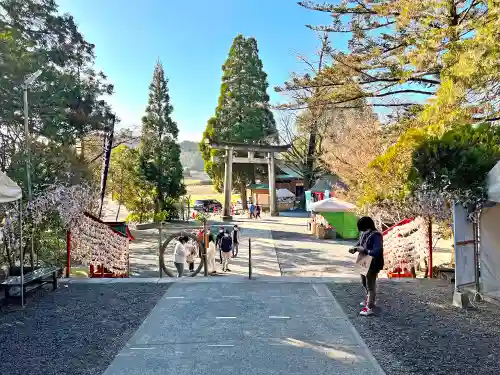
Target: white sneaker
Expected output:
[365,311]
[363,304]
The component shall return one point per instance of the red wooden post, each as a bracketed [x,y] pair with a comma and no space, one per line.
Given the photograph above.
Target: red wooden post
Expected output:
[68,253]
[430,248]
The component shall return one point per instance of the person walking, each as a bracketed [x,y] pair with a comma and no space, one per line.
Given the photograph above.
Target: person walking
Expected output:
[218,239]
[200,237]
[235,235]
[257,212]
[211,253]
[200,234]
[370,243]
[180,255]
[191,254]
[226,245]
[252,211]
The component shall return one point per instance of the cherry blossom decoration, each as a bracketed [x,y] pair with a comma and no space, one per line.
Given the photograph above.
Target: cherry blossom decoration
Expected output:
[92,242]
[406,245]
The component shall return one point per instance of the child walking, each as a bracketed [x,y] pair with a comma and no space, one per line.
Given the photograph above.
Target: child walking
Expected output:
[370,243]
[252,211]
[218,239]
[191,254]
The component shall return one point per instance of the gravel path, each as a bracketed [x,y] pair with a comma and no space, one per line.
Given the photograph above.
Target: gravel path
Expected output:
[418,331]
[76,330]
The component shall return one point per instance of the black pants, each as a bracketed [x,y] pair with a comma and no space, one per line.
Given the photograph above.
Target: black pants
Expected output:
[369,282]
[191,266]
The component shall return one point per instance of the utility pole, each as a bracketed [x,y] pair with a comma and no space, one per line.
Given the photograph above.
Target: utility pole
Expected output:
[29,80]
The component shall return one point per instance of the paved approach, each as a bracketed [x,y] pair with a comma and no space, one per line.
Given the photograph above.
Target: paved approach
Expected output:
[247,327]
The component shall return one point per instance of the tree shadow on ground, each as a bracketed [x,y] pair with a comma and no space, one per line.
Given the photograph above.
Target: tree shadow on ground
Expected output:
[418,331]
[300,252]
[75,330]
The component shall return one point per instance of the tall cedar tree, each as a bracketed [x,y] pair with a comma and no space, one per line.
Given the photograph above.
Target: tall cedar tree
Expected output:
[159,151]
[242,114]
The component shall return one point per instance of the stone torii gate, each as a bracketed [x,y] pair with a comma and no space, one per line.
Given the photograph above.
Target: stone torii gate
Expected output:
[231,159]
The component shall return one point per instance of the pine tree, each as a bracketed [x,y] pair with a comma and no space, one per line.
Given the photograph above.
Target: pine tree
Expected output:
[243,113]
[159,151]
[396,47]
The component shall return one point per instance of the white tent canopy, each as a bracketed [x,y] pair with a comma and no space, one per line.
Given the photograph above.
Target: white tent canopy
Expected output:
[284,193]
[490,238]
[493,183]
[332,205]
[9,190]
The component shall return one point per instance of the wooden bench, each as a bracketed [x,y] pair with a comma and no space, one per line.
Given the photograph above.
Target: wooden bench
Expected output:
[32,280]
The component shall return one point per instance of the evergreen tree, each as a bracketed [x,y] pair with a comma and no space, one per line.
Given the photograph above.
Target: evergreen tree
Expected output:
[159,151]
[242,114]
[65,102]
[396,47]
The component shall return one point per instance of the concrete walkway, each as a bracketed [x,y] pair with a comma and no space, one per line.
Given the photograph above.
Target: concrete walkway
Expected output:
[245,328]
[264,259]
[144,251]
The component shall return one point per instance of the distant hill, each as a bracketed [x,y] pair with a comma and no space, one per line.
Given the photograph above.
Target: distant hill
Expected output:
[190,156]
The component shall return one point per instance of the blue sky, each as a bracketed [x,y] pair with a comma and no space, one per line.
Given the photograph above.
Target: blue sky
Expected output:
[192,39]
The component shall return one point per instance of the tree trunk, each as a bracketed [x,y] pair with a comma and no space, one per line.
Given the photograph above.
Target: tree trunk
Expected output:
[307,183]
[244,197]
[311,155]
[142,210]
[82,149]
[120,195]
[118,211]
[7,251]
[158,204]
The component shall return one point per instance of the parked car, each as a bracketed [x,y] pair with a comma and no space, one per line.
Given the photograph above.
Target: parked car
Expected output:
[207,205]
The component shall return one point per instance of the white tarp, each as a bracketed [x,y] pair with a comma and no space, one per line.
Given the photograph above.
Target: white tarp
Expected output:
[284,193]
[332,205]
[9,191]
[463,231]
[493,183]
[285,196]
[490,251]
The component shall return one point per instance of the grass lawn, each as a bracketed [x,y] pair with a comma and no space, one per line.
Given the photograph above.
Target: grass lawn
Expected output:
[217,196]
[189,181]
[79,272]
[207,192]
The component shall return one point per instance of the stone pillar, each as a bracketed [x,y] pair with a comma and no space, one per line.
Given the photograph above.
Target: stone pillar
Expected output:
[273,206]
[228,185]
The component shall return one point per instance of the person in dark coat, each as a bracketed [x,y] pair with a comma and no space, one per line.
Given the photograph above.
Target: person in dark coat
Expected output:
[370,243]
[236,237]
[257,212]
[226,245]
[218,241]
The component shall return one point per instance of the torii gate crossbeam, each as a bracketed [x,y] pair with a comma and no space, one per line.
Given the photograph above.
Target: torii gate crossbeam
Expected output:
[230,159]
